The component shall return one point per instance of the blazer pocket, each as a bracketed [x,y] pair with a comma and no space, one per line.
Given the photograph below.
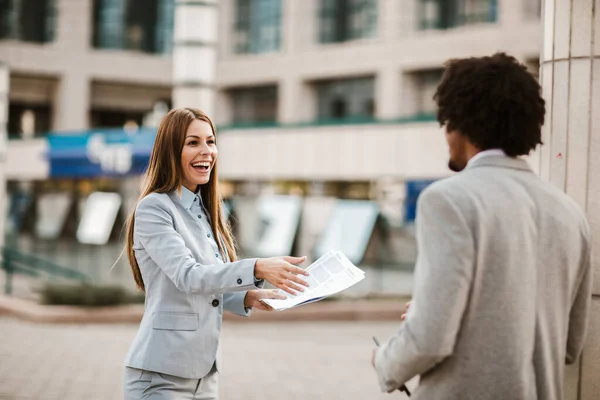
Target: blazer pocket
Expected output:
[174,321]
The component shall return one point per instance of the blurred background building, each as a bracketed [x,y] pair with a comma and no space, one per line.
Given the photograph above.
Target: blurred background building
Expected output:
[325,121]
[324,110]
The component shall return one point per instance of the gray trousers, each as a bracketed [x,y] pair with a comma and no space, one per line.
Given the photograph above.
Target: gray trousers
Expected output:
[139,384]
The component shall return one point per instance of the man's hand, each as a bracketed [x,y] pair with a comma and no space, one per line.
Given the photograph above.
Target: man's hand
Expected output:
[373,357]
[253,298]
[403,316]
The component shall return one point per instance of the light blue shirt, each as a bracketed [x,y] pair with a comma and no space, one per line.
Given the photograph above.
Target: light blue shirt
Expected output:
[196,206]
[194,202]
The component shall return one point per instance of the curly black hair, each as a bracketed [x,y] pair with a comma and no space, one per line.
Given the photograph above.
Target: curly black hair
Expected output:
[493,101]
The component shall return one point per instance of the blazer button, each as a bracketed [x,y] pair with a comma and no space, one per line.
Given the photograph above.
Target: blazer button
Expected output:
[215,303]
[239,281]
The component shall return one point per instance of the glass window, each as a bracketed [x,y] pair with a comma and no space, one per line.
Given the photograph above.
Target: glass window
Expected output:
[257,26]
[446,14]
[346,99]
[100,212]
[279,218]
[28,20]
[349,229]
[26,120]
[139,25]
[427,83]
[344,20]
[115,118]
[255,105]
[52,212]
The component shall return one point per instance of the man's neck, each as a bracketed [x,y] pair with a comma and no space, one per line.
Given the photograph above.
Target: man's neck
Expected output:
[471,151]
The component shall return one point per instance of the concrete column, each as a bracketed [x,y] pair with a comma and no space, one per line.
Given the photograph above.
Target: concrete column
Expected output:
[226,32]
[71,106]
[388,93]
[304,22]
[195,54]
[4,82]
[293,104]
[291,26]
[390,19]
[73,31]
[570,158]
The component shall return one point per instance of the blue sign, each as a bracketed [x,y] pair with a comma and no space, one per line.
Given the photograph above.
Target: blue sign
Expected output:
[102,152]
[413,190]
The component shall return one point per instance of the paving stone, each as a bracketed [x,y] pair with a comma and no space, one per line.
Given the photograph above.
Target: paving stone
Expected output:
[303,360]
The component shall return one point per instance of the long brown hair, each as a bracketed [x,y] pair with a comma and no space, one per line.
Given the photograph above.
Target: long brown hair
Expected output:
[164,175]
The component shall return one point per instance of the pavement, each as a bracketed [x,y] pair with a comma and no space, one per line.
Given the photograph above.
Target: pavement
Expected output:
[261,360]
[328,310]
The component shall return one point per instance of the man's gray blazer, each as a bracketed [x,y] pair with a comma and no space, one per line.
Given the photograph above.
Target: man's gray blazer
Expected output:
[502,288]
[187,287]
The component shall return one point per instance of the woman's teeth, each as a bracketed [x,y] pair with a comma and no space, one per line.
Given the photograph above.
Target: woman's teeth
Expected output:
[202,165]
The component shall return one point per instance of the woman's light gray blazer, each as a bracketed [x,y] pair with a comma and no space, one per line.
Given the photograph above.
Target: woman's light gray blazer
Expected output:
[187,287]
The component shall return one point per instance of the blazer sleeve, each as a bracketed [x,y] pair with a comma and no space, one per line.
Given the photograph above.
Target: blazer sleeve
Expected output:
[154,229]
[443,275]
[234,302]
[580,309]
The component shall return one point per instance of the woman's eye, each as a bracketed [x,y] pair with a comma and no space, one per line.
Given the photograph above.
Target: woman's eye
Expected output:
[192,143]
[211,142]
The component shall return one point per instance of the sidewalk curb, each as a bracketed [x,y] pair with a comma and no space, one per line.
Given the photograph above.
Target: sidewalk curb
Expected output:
[340,310]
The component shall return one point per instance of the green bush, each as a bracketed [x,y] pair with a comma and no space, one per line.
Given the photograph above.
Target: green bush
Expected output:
[87,295]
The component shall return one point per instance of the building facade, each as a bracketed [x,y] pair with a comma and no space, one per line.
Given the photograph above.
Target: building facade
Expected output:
[313,97]
[72,66]
[339,91]
[321,99]
[570,76]
[316,91]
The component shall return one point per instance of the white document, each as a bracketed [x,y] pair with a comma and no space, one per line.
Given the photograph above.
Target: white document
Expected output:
[330,274]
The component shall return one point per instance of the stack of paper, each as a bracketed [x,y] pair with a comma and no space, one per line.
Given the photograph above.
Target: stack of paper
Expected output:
[330,274]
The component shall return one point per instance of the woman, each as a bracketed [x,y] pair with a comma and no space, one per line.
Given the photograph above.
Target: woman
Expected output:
[182,255]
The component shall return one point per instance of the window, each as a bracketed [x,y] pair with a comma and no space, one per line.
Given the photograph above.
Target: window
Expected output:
[257,26]
[115,118]
[28,20]
[349,229]
[446,14]
[139,25]
[26,121]
[344,20]
[346,99]
[254,105]
[427,83]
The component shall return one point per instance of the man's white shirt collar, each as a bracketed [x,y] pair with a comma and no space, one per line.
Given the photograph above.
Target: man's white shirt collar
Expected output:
[486,153]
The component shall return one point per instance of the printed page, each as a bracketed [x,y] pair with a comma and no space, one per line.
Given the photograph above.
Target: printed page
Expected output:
[330,274]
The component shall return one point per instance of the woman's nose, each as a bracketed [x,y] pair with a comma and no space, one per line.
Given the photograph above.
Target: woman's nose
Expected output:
[204,149]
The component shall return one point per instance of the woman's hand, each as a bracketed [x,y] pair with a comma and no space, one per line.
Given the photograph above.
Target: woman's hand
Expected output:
[282,273]
[253,298]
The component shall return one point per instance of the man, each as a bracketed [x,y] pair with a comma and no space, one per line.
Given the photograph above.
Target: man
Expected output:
[503,278]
